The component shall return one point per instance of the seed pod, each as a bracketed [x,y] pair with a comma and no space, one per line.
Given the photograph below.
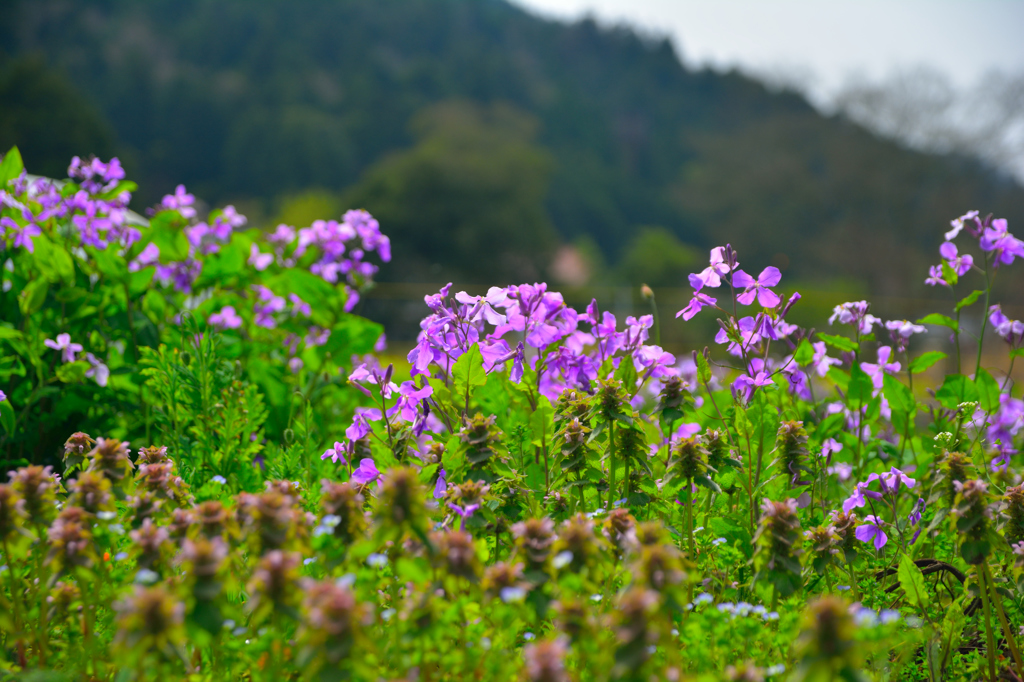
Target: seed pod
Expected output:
[70,540]
[480,438]
[636,629]
[149,547]
[332,623]
[401,501]
[578,536]
[501,576]
[274,583]
[791,443]
[1014,529]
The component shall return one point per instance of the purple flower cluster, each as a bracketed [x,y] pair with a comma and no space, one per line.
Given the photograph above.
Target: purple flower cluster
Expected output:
[993,238]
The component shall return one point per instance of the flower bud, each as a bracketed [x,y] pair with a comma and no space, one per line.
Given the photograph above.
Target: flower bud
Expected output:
[343,501]
[545,661]
[777,546]
[91,492]
[37,488]
[534,538]
[110,458]
[149,618]
[456,551]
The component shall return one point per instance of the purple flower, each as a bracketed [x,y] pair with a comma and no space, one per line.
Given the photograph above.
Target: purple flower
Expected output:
[764,327]
[63,344]
[935,277]
[299,307]
[182,274]
[822,361]
[996,238]
[23,237]
[409,397]
[181,201]
[854,313]
[958,263]
[380,345]
[441,487]
[149,256]
[890,481]
[841,469]
[3,396]
[959,223]
[366,473]
[901,330]
[915,514]
[360,427]
[697,303]
[464,512]
[712,275]
[829,448]
[883,366]
[1011,331]
[99,371]
[295,365]
[746,384]
[498,353]
[260,261]
[336,453]
[870,530]
[227,318]
[758,288]
[267,304]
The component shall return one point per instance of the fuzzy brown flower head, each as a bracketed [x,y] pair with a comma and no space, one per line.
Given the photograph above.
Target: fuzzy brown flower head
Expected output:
[110,458]
[744,672]
[573,405]
[534,538]
[332,609]
[652,533]
[673,393]
[955,466]
[545,660]
[660,567]
[78,443]
[212,518]
[577,535]
[827,632]
[502,575]
[401,498]
[160,479]
[777,545]
[636,609]
[91,492]
[458,553]
[149,540]
[182,521]
[154,454]
[822,540]
[203,557]
[344,501]
[148,618]
[573,617]
[70,539]
[973,515]
[275,579]
[611,399]
[37,488]
[620,529]
[1014,499]
[145,505]
[480,438]
[574,435]
[716,448]
[12,513]
[62,597]
[689,459]
[468,492]
[792,445]
[289,489]
[435,452]
[270,518]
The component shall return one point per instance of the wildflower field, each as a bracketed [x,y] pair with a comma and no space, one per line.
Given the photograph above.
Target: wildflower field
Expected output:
[214,476]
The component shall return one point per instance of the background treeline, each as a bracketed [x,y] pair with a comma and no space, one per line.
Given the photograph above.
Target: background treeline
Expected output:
[482,137]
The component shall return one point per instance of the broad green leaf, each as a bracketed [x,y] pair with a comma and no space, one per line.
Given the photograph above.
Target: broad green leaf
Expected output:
[969,299]
[839,342]
[72,372]
[899,396]
[53,261]
[925,360]
[860,389]
[626,373]
[949,274]
[467,374]
[940,320]
[804,353]
[841,378]
[912,581]
[541,422]
[32,296]
[988,391]
[304,284]
[7,416]
[11,166]
[1017,352]
[703,369]
[9,333]
[956,389]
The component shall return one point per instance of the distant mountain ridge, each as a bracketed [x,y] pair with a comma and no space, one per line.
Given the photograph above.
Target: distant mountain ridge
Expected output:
[238,99]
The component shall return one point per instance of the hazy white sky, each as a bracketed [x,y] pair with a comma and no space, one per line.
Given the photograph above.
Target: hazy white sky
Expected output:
[827,39]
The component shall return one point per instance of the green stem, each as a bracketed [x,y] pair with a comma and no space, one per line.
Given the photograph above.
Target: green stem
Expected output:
[990,649]
[611,464]
[1003,622]
[984,318]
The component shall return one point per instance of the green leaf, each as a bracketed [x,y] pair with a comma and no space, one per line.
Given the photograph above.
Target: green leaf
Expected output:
[969,299]
[467,374]
[988,391]
[703,369]
[73,372]
[956,389]
[860,388]
[32,296]
[912,581]
[949,274]
[925,360]
[53,261]
[10,333]
[940,320]
[626,373]
[1017,353]
[706,482]
[11,166]
[839,342]
[899,396]
[804,353]
[7,416]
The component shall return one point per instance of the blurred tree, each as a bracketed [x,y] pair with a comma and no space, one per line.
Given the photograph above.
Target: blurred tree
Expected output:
[656,257]
[47,118]
[467,201]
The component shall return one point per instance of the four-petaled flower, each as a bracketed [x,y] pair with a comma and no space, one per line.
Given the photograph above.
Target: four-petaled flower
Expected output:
[366,473]
[63,344]
[758,288]
[336,453]
[871,530]
[227,318]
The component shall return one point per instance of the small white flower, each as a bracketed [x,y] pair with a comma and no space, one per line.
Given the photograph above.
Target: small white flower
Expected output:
[562,559]
[219,479]
[377,560]
[510,595]
[146,577]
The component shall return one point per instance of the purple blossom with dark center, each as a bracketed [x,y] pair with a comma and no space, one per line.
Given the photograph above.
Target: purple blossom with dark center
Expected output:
[336,453]
[65,346]
[758,288]
[871,530]
[890,481]
[960,264]
[464,512]
[227,318]
[367,472]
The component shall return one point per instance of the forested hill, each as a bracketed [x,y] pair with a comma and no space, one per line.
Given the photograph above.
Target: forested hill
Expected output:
[473,128]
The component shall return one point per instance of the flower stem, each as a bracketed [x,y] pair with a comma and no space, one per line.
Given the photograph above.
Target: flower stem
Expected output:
[990,649]
[611,464]
[1007,631]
